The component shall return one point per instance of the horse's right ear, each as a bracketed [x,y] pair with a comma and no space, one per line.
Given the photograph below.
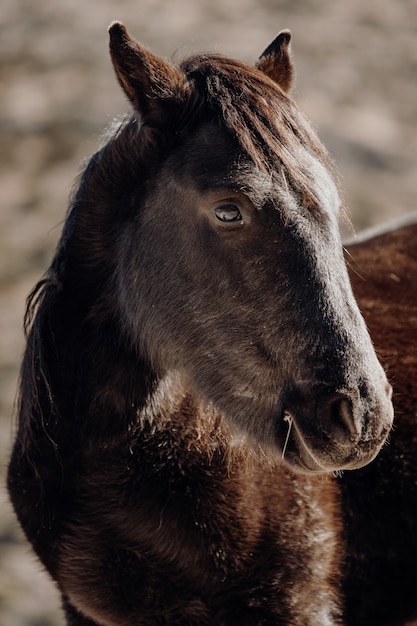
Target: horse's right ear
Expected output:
[276,61]
[147,80]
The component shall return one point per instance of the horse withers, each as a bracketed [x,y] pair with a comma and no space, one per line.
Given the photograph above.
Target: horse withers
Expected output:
[196,363]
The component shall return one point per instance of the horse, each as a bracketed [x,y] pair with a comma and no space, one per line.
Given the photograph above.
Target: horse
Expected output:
[379,502]
[197,369]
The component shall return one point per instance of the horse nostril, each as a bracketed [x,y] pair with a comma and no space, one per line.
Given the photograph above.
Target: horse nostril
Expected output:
[338,421]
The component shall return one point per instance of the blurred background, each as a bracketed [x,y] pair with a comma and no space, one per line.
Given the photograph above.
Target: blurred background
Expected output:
[356,68]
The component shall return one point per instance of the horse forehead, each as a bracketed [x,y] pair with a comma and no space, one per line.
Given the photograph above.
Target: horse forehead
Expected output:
[211,157]
[208,152]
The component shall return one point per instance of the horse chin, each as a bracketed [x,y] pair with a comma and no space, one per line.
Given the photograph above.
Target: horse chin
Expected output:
[304,458]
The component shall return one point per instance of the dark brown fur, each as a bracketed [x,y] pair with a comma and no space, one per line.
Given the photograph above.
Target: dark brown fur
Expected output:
[189,385]
[380,501]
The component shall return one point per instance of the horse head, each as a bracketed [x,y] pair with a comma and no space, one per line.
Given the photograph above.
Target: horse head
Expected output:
[228,264]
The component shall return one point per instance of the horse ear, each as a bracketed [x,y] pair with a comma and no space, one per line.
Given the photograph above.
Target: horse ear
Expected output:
[276,61]
[147,80]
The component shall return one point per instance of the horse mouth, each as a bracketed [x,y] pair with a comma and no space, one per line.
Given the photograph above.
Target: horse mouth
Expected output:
[305,454]
[296,453]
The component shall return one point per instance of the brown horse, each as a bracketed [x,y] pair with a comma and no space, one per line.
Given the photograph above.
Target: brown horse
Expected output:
[197,366]
[380,501]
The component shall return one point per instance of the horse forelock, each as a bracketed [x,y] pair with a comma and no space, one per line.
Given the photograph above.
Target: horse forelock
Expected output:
[265,121]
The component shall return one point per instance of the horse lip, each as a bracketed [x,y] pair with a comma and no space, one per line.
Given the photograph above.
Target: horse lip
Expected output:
[305,460]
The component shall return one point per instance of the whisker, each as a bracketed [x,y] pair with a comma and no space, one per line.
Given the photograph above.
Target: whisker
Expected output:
[352,264]
[289,420]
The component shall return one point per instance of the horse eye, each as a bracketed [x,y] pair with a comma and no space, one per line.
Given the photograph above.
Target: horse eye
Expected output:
[228,213]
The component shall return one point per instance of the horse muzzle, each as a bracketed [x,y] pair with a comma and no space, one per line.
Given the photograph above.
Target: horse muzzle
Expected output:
[343,431]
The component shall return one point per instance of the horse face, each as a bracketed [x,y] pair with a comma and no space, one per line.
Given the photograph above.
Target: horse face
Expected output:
[234,281]
[229,275]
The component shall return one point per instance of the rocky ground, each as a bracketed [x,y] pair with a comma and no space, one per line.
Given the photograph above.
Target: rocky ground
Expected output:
[356,79]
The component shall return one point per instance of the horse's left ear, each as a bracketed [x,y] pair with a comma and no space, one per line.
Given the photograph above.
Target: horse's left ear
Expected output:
[276,61]
[149,82]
